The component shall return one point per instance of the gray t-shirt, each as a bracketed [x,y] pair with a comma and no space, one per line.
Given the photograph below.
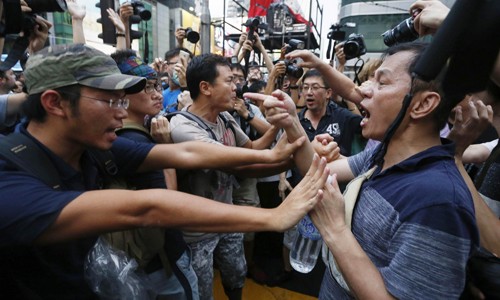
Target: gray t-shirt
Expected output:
[211,184]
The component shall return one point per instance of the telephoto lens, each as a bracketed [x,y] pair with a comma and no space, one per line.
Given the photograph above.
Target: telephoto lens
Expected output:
[402,33]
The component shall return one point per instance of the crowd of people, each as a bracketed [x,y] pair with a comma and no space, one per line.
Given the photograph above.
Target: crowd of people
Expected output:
[190,163]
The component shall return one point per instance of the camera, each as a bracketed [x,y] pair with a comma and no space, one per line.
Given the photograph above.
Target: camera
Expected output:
[403,32]
[240,90]
[27,23]
[291,66]
[354,46]
[253,25]
[192,36]
[140,10]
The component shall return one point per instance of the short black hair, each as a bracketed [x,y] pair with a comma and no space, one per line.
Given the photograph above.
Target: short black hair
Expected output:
[257,86]
[315,73]
[203,68]
[176,51]
[239,67]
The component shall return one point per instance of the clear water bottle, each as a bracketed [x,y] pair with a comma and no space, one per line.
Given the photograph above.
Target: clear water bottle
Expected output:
[307,246]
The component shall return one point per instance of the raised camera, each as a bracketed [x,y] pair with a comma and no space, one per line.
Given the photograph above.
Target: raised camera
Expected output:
[253,25]
[354,46]
[403,32]
[291,66]
[192,36]
[140,10]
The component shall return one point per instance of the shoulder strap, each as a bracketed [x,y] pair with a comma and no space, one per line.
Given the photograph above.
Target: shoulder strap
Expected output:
[133,126]
[486,166]
[228,124]
[20,150]
[194,118]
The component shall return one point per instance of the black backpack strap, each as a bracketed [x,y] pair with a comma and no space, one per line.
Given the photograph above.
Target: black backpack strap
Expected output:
[21,151]
[228,124]
[194,118]
[105,161]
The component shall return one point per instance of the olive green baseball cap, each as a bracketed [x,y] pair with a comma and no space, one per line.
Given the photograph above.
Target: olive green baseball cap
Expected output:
[62,65]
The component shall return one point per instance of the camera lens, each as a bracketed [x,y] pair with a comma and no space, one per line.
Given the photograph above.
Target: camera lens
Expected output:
[403,32]
[351,49]
[192,36]
[294,71]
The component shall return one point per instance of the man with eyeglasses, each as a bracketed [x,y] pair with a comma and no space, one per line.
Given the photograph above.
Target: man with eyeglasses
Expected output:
[321,115]
[173,278]
[76,103]
[176,70]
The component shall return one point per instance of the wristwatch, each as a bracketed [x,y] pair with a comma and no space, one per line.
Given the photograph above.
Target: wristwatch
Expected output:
[250,116]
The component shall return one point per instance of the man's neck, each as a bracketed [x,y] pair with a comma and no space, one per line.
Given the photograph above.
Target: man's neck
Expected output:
[204,110]
[57,143]
[411,142]
[315,115]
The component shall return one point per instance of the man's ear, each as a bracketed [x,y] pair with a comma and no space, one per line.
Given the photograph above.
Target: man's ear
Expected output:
[425,104]
[205,88]
[52,103]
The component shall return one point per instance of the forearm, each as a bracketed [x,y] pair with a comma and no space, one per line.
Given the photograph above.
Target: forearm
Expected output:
[303,156]
[89,215]
[171,179]
[487,222]
[340,83]
[267,59]
[260,125]
[78,35]
[202,155]
[266,140]
[121,42]
[263,170]
[350,259]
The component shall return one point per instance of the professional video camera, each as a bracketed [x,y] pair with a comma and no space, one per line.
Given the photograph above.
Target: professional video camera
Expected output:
[253,26]
[291,66]
[192,36]
[403,32]
[140,10]
[16,21]
[354,46]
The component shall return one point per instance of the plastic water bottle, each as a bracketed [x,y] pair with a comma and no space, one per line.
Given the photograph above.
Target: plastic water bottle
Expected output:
[307,246]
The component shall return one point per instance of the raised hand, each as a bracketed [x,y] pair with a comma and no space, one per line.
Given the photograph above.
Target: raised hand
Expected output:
[432,13]
[76,10]
[160,130]
[304,196]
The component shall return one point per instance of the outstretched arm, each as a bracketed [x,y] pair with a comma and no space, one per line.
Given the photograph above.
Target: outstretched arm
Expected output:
[202,155]
[89,215]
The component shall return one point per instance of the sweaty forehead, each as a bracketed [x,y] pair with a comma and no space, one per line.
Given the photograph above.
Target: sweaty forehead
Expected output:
[396,64]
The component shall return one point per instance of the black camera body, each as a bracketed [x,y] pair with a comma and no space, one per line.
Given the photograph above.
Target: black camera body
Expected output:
[240,90]
[140,10]
[401,33]
[354,46]
[12,13]
[291,66]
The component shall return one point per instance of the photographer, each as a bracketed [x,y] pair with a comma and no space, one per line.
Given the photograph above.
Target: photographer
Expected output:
[250,45]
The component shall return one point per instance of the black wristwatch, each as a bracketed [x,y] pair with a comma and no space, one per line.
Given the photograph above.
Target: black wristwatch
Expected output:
[250,116]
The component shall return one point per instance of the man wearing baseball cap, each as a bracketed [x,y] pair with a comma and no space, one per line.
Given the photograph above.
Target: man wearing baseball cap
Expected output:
[77,99]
